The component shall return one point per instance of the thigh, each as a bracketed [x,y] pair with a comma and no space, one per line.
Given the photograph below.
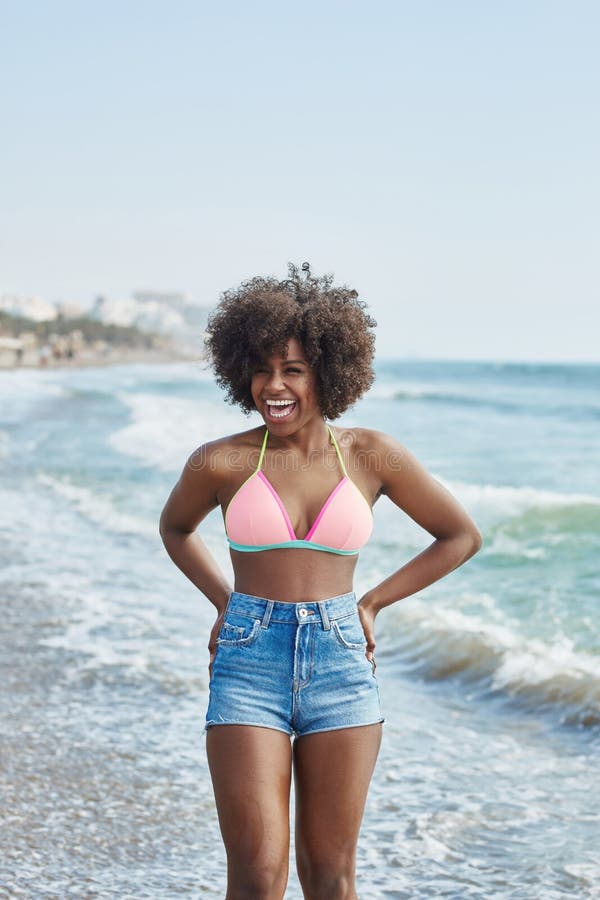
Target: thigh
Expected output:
[332,772]
[251,774]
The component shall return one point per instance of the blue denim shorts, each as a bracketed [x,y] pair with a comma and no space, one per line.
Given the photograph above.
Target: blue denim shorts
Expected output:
[295,667]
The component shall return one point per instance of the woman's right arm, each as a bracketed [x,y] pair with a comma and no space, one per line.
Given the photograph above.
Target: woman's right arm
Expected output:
[190,501]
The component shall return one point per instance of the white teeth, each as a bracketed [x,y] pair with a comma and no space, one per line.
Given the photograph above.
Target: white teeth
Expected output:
[289,404]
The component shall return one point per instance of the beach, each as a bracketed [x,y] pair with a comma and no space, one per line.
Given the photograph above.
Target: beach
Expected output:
[487,781]
[89,357]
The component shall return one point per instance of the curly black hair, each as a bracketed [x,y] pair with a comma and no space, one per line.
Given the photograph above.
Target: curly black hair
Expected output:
[257,319]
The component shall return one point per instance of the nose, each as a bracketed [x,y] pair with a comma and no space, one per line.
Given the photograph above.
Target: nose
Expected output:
[275,381]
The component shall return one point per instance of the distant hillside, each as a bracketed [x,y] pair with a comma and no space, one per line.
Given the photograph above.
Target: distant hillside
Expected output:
[92,330]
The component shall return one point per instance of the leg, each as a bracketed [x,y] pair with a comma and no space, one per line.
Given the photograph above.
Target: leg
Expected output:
[332,771]
[251,774]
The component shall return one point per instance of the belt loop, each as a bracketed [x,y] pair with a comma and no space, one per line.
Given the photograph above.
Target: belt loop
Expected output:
[267,616]
[322,604]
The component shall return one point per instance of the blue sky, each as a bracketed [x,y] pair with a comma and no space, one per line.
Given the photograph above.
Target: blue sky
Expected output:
[440,157]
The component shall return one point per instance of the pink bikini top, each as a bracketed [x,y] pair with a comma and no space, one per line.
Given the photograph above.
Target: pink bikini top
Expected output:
[256,519]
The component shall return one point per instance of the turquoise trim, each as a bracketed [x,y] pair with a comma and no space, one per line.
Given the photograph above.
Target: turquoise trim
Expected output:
[299,545]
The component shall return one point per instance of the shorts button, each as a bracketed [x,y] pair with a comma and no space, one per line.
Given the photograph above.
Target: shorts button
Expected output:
[303,612]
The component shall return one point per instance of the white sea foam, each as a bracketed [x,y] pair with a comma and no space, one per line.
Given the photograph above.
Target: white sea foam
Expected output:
[164,430]
[586,872]
[507,501]
[444,641]
[490,506]
[97,508]
[385,390]
[107,634]
[504,545]
[21,390]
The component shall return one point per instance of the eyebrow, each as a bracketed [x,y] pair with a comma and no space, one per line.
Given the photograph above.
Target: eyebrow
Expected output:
[289,361]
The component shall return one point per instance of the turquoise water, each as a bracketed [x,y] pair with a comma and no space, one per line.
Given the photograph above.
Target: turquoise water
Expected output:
[487,781]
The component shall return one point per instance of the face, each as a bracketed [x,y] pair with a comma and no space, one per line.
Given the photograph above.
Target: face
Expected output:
[291,382]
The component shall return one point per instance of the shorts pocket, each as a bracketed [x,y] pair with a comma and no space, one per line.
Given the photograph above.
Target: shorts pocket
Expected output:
[238,631]
[349,632]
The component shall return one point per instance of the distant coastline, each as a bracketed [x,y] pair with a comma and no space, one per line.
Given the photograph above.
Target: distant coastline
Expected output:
[112,357]
[77,342]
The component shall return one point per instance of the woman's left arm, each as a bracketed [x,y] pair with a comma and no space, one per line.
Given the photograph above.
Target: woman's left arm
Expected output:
[407,484]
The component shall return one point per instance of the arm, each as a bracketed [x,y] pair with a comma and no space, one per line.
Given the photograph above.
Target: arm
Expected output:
[190,501]
[457,538]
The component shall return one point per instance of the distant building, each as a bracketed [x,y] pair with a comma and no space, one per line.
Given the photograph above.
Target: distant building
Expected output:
[148,316]
[163,312]
[35,308]
[113,312]
[192,313]
[174,299]
[70,310]
[168,313]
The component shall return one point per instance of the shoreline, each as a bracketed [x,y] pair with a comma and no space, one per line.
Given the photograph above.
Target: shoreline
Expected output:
[116,356]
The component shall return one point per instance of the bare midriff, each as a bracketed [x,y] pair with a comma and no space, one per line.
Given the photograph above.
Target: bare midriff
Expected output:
[293,575]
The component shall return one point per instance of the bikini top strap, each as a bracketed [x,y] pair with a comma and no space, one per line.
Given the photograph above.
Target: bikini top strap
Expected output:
[262,449]
[337,450]
[335,444]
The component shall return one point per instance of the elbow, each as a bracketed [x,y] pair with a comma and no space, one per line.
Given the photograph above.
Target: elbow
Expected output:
[169,532]
[476,542]
[162,526]
[465,544]
[167,535]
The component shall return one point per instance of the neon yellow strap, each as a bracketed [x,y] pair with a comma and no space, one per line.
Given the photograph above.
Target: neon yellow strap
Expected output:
[337,450]
[262,449]
[335,444]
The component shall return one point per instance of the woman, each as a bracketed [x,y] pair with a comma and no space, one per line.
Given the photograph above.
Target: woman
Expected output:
[291,650]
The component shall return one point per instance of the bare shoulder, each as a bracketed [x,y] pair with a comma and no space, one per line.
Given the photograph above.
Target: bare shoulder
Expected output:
[367,452]
[398,474]
[223,455]
[207,476]
[373,450]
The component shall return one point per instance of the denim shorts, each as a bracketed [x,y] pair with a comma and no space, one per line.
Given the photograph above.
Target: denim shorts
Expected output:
[296,667]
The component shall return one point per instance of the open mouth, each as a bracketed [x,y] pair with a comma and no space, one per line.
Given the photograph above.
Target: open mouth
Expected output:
[279,409]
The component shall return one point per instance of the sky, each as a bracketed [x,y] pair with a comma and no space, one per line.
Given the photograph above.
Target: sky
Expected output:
[439,157]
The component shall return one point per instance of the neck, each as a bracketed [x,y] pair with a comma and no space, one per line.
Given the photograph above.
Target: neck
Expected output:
[311,438]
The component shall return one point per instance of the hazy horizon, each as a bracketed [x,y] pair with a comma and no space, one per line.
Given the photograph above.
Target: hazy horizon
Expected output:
[440,159]
[424,357]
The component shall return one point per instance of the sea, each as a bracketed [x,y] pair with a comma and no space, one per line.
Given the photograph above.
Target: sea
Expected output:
[488,780]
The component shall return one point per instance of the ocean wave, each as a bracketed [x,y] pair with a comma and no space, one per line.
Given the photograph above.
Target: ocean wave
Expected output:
[435,393]
[449,399]
[106,634]
[526,509]
[517,407]
[517,522]
[515,400]
[438,643]
[391,391]
[98,508]
[165,429]
[21,391]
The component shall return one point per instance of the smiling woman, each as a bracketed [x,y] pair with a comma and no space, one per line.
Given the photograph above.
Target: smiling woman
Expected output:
[291,654]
